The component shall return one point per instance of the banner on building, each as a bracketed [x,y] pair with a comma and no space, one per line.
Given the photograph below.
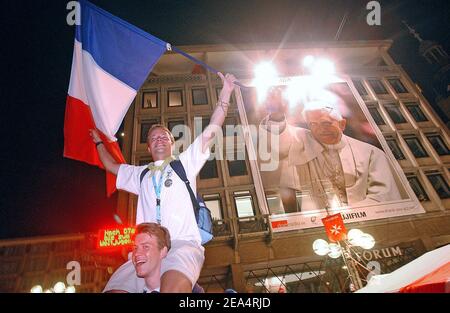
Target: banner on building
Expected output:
[319,150]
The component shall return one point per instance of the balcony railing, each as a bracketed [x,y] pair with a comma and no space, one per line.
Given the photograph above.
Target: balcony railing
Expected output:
[252,224]
[222,228]
[243,225]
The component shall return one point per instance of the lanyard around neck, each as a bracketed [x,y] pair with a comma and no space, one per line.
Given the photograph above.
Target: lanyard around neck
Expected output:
[157,188]
[154,168]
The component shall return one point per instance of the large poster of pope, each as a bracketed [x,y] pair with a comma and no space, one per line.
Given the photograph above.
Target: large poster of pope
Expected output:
[318,151]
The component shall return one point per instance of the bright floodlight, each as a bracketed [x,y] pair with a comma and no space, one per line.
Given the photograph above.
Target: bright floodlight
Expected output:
[323,67]
[265,76]
[354,236]
[335,251]
[48,291]
[70,289]
[59,287]
[308,61]
[36,289]
[265,71]
[367,241]
[321,247]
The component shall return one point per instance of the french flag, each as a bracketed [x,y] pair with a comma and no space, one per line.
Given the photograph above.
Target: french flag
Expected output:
[111,60]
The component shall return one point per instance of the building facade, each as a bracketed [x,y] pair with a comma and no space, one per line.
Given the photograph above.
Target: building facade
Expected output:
[44,261]
[246,254]
[439,63]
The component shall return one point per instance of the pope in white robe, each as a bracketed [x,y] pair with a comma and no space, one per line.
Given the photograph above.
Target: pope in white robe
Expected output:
[326,168]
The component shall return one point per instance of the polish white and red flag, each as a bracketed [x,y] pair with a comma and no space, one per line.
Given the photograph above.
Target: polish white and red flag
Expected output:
[111,61]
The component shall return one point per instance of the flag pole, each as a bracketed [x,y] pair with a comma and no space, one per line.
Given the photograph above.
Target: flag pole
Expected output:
[199,62]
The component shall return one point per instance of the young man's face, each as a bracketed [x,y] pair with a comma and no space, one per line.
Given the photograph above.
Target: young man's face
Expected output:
[324,128]
[159,144]
[146,254]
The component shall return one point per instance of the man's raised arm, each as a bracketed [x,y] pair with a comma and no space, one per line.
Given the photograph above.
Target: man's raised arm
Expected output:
[108,161]
[220,112]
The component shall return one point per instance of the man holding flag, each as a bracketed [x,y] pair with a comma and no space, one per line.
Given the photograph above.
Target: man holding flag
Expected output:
[111,61]
[181,268]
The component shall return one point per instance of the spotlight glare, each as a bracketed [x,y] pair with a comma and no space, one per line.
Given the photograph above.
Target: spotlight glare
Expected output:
[308,61]
[321,247]
[36,289]
[367,241]
[323,67]
[354,236]
[265,76]
[59,287]
[335,251]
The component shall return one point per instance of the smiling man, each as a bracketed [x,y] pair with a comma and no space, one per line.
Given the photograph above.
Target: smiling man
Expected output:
[164,199]
[151,245]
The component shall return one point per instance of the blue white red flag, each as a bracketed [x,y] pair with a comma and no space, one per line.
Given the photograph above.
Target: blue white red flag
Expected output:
[111,60]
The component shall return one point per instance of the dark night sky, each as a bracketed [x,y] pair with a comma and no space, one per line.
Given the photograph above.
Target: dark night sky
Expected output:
[41,192]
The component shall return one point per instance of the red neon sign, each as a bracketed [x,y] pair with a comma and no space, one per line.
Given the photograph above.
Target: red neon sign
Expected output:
[115,237]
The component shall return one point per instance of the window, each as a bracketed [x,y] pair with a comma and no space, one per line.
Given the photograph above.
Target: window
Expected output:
[377,116]
[59,262]
[87,276]
[218,89]
[416,112]
[378,86]
[440,185]
[43,248]
[66,246]
[396,83]
[218,92]
[175,98]
[244,204]
[209,170]
[200,127]
[213,203]
[36,264]
[416,147]
[150,100]
[438,144]
[237,168]
[360,87]
[199,96]
[395,113]
[274,204]
[13,250]
[179,131]
[230,127]
[396,151]
[10,267]
[145,126]
[416,186]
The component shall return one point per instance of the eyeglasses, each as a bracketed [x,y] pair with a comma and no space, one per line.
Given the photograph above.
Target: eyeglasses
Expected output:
[322,124]
[162,138]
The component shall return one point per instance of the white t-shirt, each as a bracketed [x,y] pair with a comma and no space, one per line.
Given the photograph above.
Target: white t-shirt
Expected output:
[147,290]
[177,213]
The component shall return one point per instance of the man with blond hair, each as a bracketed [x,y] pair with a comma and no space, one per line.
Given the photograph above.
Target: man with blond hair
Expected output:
[163,198]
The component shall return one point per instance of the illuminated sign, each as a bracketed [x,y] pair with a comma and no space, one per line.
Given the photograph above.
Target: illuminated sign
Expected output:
[115,238]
